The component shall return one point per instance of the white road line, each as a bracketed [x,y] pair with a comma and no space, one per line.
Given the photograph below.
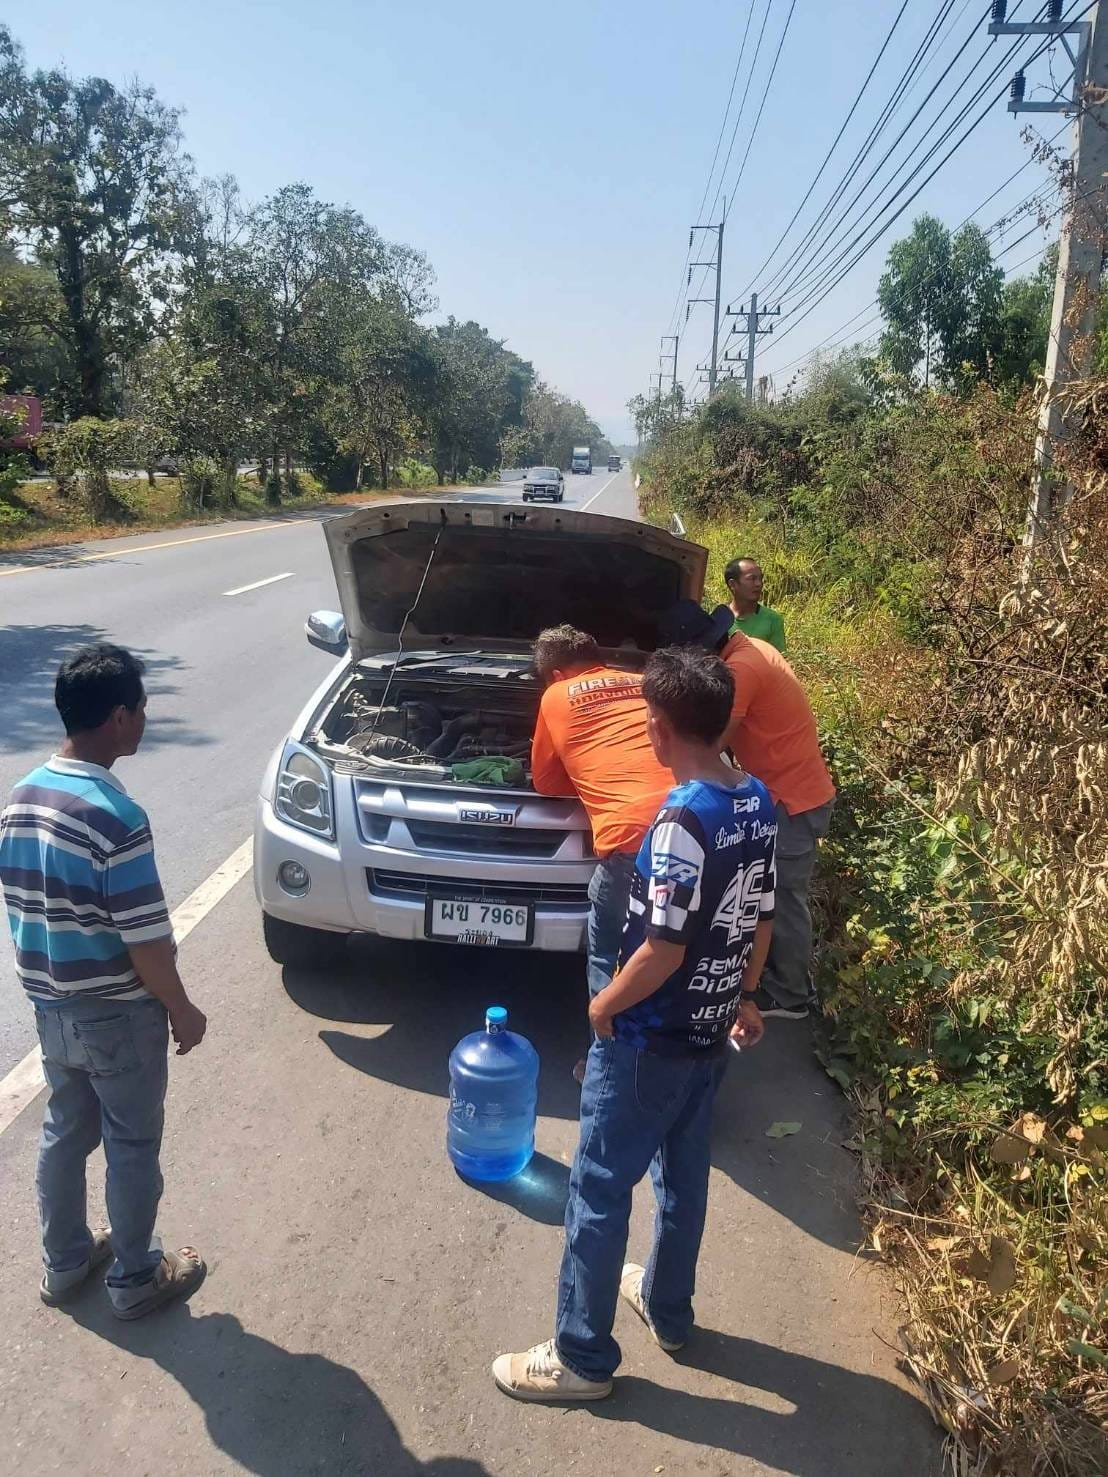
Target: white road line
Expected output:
[595,495]
[257,585]
[25,1081]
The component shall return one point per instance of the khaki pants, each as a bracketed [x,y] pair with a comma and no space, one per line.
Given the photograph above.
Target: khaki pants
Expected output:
[787,975]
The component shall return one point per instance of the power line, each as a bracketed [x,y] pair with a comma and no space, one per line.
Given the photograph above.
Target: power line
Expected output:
[728,202]
[806,196]
[928,42]
[1018,208]
[742,104]
[819,264]
[761,108]
[817,295]
[715,155]
[832,342]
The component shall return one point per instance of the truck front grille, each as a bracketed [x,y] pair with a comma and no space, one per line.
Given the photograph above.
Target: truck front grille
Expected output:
[450,837]
[547,896]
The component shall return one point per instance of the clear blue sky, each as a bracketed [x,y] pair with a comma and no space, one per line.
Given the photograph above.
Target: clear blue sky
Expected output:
[547,159]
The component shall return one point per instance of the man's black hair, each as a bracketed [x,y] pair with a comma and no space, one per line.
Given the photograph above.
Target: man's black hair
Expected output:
[563,648]
[93,682]
[734,567]
[692,689]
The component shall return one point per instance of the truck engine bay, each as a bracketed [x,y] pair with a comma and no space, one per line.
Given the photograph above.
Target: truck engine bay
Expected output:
[426,728]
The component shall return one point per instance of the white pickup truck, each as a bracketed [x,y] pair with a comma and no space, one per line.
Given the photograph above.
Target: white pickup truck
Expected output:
[364,823]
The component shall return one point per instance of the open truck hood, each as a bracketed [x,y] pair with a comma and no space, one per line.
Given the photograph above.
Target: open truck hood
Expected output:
[477,575]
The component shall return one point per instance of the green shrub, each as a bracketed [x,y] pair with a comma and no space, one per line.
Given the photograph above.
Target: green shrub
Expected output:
[88,449]
[410,472]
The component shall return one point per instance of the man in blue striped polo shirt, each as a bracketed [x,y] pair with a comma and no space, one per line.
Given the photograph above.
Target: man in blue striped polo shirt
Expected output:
[94,951]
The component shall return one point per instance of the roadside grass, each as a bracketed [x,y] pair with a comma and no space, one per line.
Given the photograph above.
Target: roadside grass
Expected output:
[960,968]
[843,649]
[38,517]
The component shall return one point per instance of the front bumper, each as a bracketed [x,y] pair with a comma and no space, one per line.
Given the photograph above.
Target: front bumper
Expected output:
[357,887]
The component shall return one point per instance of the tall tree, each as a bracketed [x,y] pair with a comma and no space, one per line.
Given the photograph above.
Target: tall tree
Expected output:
[385,381]
[93,182]
[301,261]
[1025,323]
[940,297]
[481,390]
[552,425]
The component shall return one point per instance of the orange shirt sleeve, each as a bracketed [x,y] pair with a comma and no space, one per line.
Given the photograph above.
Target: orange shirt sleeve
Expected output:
[548,773]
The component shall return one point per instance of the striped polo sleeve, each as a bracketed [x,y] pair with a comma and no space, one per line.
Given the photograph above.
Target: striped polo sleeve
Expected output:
[133,890]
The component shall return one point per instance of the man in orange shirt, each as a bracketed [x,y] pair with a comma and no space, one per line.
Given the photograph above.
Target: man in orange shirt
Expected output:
[590,741]
[773,736]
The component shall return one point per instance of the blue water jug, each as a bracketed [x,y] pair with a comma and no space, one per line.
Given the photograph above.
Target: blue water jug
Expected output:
[494,1088]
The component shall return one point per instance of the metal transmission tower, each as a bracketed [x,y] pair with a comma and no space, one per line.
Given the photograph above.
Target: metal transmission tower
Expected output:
[676,341]
[717,262]
[752,329]
[1083,240]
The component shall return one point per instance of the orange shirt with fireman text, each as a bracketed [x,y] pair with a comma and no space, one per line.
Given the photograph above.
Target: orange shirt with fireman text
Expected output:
[590,740]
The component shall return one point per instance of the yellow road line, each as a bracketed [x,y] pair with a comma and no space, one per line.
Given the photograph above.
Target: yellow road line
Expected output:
[196,538]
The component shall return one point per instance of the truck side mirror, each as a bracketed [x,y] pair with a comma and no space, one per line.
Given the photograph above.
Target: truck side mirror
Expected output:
[326,630]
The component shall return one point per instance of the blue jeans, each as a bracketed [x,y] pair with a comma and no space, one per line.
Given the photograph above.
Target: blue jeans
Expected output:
[106,1066]
[638,1111]
[609,891]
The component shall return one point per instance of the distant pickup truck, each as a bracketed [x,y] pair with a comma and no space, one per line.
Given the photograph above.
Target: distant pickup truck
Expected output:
[615,464]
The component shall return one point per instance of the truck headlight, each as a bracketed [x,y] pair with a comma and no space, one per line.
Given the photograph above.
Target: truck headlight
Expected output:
[303,795]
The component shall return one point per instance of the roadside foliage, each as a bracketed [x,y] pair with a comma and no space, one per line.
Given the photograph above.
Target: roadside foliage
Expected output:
[963,901]
[169,326]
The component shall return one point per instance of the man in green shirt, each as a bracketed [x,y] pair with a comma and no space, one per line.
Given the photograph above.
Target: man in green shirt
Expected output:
[744,581]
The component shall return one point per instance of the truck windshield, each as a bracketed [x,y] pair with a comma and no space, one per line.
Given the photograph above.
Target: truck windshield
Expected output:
[545,474]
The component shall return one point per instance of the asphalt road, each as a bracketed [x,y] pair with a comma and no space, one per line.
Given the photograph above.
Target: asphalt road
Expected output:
[358,1289]
[226,673]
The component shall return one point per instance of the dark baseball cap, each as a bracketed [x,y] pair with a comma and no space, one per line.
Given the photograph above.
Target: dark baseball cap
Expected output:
[687,623]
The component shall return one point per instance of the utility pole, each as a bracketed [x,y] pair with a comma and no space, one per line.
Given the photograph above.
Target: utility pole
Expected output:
[717,262]
[753,328]
[1083,240]
[676,341]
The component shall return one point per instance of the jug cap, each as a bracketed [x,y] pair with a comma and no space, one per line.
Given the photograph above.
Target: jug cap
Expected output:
[496,1018]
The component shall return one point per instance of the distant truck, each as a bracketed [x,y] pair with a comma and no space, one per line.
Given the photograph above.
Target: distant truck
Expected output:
[615,464]
[581,460]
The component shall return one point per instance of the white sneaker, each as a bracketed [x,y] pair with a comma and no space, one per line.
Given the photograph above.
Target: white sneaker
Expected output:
[630,1290]
[540,1375]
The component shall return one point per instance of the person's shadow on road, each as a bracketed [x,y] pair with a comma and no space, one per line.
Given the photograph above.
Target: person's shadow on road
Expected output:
[431,995]
[273,1412]
[821,1420]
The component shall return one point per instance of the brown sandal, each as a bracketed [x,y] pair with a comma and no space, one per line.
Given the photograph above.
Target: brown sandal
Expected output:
[101,1252]
[180,1274]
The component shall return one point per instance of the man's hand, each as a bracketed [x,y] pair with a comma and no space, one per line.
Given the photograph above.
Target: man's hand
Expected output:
[749,1029]
[600,1019]
[188,1025]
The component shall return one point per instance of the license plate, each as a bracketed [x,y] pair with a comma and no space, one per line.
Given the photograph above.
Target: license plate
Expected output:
[484,922]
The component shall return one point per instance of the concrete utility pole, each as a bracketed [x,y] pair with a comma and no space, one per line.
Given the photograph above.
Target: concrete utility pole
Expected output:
[1083,239]
[718,264]
[667,338]
[753,328]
